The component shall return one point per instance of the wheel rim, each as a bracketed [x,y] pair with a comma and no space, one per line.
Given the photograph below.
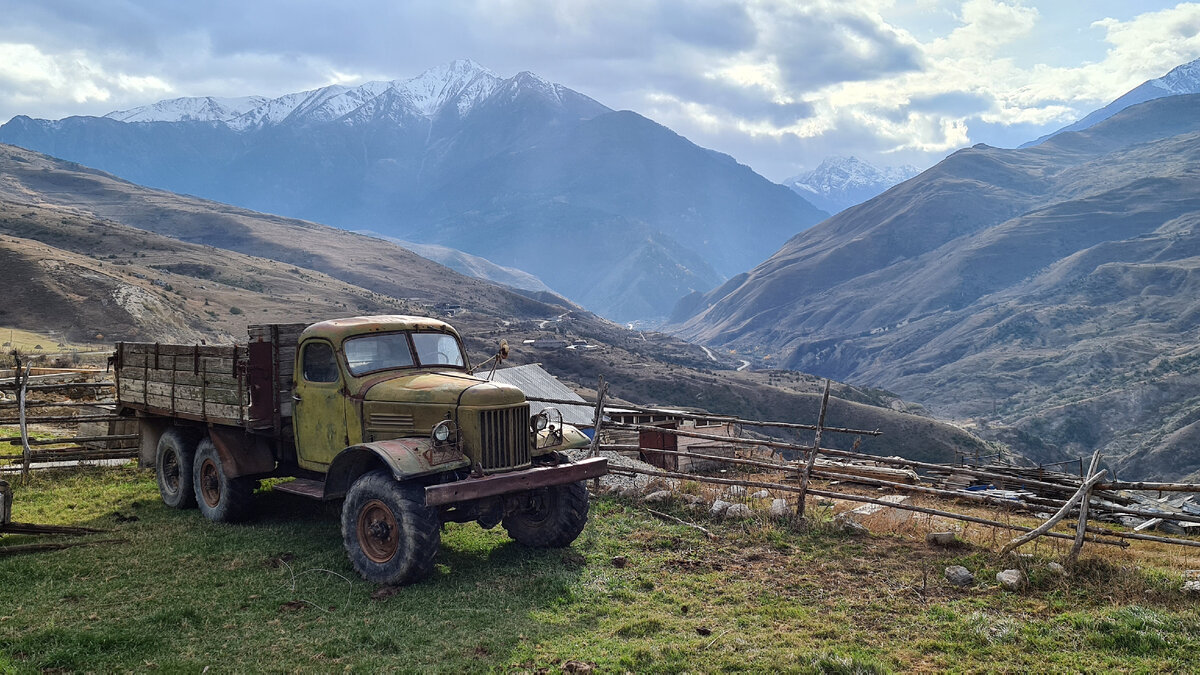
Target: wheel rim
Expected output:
[378,533]
[541,505]
[210,482]
[171,471]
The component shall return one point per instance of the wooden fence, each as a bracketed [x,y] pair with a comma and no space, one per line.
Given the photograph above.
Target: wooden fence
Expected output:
[1083,497]
[77,420]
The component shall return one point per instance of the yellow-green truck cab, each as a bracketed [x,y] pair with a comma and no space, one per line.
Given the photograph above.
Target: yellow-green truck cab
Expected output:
[381,411]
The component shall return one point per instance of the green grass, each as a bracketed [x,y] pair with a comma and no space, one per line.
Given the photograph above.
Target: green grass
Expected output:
[179,594]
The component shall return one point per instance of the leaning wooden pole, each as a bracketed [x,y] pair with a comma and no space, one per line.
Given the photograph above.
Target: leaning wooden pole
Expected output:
[812,454]
[1084,500]
[1062,513]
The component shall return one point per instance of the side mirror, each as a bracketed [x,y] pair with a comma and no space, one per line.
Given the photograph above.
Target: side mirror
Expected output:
[503,353]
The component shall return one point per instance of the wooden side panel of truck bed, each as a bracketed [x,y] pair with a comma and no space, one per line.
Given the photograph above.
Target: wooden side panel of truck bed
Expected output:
[248,385]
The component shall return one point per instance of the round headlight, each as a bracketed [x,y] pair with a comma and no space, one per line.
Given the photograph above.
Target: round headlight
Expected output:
[441,433]
[540,421]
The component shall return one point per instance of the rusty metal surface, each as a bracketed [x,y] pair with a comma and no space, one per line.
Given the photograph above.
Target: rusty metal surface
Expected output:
[490,486]
[337,330]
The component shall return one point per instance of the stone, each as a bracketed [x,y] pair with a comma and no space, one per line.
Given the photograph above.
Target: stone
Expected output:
[849,525]
[941,539]
[719,507]
[1057,569]
[658,496]
[738,511]
[619,561]
[694,499]
[1011,580]
[761,494]
[879,512]
[960,576]
[736,490]
[780,509]
[1191,587]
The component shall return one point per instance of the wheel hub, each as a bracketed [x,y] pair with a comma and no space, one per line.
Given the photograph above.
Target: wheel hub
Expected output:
[210,483]
[378,532]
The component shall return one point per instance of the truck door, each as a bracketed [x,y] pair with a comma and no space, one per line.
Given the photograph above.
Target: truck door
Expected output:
[319,415]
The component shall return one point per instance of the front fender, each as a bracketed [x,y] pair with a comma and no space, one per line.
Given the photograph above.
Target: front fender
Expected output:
[571,438]
[405,457]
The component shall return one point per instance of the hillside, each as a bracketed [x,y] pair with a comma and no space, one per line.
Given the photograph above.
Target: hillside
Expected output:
[77,261]
[1052,290]
[617,212]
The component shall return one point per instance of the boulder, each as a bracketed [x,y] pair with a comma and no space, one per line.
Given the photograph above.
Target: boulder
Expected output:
[960,576]
[658,496]
[1011,580]
[941,539]
[761,494]
[780,509]
[738,511]
[1057,569]
[719,507]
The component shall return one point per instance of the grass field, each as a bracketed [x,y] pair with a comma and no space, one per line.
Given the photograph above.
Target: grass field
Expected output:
[633,593]
[42,343]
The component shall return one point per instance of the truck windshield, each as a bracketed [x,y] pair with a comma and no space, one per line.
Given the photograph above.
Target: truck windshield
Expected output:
[437,349]
[369,353]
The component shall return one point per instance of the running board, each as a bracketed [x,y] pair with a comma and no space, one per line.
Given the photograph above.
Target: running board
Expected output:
[305,487]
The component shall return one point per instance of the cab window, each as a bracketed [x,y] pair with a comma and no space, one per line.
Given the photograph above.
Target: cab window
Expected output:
[319,362]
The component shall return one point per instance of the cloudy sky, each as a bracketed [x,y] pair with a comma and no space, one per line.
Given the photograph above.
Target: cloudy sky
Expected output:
[778,84]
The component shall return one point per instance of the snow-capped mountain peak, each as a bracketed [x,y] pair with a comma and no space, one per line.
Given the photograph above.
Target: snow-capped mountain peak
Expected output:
[841,182]
[1183,79]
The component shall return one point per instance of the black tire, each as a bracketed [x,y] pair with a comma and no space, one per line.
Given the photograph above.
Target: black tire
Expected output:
[173,467]
[553,518]
[390,534]
[220,498]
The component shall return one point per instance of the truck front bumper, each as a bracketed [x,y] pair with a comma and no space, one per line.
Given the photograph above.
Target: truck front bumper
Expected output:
[517,481]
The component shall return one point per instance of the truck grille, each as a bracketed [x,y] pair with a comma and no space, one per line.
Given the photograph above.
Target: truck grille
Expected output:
[504,438]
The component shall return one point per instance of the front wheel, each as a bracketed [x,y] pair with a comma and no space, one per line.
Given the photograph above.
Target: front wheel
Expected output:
[220,498]
[552,517]
[391,536]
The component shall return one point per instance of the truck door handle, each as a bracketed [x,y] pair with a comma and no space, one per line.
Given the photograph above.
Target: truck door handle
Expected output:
[295,397]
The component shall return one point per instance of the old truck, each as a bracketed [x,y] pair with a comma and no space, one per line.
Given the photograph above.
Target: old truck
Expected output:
[380,411]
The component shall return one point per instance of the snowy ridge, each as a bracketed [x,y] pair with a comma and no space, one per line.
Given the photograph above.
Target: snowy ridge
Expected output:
[462,84]
[1181,80]
[190,109]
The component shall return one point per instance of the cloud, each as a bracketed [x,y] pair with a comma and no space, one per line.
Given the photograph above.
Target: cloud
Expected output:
[778,84]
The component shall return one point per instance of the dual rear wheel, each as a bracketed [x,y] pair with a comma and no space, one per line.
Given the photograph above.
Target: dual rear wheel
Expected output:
[190,473]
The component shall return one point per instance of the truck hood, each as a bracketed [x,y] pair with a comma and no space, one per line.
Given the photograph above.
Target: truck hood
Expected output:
[447,388]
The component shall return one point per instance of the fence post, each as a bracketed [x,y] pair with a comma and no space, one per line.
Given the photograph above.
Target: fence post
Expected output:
[812,455]
[601,390]
[22,386]
[1081,527]
[1062,513]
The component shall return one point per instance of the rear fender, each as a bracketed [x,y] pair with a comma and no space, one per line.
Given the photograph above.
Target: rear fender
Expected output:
[405,457]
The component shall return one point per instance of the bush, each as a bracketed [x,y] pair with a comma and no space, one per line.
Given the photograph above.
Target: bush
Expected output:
[235,310]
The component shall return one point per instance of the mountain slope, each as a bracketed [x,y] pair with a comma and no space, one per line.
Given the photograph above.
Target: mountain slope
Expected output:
[1053,289]
[841,182]
[1184,79]
[521,171]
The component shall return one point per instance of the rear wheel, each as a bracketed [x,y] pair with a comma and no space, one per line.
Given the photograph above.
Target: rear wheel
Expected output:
[391,536]
[552,517]
[219,497]
[173,467]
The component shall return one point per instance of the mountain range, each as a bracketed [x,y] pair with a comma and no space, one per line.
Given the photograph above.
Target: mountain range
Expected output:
[1050,293]
[841,182]
[97,259]
[617,212]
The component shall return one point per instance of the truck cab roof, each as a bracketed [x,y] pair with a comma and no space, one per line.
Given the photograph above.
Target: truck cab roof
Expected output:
[338,330]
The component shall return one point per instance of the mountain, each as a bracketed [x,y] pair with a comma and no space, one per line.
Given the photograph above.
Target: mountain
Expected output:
[475,266]
[101,259]
[619,213]
[1183,79]
[1054,291]
[841,182]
